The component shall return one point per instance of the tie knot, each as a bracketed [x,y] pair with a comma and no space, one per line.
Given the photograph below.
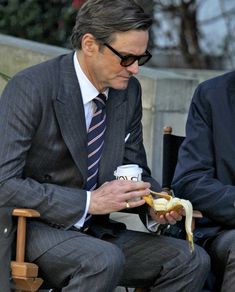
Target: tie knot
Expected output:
[100,101]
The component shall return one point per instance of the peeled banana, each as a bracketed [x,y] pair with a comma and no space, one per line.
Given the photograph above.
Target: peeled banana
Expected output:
[166,204]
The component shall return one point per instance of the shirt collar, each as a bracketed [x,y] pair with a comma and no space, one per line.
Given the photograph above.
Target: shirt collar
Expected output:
[88,90]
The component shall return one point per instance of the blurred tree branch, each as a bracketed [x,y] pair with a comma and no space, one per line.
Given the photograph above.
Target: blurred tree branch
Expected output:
[185,11]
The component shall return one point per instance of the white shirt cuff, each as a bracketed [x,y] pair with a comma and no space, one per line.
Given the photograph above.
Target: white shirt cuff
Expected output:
[152,225]
[80,223]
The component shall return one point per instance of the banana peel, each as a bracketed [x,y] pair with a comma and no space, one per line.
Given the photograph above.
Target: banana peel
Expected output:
[165,203]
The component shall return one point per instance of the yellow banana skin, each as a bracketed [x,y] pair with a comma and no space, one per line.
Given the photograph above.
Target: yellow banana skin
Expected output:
[165,203]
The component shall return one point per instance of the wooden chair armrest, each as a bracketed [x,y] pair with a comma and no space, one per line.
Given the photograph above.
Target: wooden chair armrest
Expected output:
[24,274]
[197,214]
[20,212]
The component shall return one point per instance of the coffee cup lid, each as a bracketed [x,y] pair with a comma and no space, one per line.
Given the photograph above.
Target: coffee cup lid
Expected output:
[128,169]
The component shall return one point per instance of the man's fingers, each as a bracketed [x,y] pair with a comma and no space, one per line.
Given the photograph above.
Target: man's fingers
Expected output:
[128,185]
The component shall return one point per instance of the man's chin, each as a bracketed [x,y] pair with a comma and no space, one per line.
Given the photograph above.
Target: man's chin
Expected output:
[120,85]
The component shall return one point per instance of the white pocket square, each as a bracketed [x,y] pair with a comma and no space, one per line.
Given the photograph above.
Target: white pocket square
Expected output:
[127,137]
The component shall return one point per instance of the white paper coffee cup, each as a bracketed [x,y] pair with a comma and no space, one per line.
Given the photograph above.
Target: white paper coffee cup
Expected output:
[129,172]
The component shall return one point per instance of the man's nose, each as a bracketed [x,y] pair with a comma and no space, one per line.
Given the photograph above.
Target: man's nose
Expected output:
[133,68]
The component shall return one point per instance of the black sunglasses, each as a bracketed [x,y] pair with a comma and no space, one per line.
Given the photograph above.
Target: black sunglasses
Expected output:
[130,59]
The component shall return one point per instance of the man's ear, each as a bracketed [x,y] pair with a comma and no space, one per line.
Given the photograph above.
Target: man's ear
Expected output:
[89,44]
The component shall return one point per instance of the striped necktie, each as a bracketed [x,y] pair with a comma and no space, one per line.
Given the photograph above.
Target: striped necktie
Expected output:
[95,141]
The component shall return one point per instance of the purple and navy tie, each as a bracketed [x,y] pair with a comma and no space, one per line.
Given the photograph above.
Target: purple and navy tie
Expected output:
[95,141]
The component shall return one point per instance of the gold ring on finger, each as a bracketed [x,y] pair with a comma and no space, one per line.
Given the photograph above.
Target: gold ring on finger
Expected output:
[127,205]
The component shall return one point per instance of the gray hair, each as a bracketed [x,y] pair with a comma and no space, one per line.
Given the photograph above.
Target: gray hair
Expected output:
[104,18]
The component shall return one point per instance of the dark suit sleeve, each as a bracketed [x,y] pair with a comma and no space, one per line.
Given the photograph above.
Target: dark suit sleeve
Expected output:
[20,117]
[196,176]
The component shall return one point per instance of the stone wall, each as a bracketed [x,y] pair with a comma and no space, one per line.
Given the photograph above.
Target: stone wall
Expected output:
[166,92]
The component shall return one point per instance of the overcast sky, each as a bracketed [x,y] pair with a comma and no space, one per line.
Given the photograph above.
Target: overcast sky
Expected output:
[214,32]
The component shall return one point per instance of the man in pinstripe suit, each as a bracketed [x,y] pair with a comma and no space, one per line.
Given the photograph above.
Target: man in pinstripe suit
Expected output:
[45,112]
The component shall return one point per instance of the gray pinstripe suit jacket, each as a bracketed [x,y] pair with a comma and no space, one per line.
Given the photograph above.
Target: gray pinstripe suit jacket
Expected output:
[43,155]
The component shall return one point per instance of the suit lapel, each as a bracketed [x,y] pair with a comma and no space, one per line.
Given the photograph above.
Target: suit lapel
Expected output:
[69,110]
[114,136]
[70,114]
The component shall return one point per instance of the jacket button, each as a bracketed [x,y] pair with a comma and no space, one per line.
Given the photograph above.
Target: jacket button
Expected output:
[5,230]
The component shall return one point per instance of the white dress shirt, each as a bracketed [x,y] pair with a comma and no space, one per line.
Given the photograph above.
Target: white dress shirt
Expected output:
[89,92]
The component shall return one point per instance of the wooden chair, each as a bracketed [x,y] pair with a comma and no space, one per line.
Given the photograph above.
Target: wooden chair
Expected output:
[171,145]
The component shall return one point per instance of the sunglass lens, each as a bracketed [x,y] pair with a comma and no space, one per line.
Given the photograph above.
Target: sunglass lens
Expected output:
[128,60]
[144,59]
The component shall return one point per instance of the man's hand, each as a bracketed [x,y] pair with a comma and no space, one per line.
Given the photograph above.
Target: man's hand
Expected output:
[113,196]
[169,218]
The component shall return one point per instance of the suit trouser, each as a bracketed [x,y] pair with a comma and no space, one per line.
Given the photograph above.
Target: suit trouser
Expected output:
[134,259]
[222,252]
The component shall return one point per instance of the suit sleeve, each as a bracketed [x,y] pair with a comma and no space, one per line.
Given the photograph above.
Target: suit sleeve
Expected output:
[20,116]
[196,177]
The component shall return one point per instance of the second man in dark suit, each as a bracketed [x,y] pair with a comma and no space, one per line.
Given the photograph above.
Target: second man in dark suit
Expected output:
[205,173]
